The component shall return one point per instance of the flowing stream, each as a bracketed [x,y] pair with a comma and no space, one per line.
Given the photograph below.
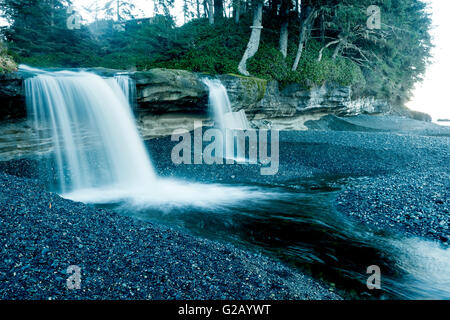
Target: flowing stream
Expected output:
[99,158]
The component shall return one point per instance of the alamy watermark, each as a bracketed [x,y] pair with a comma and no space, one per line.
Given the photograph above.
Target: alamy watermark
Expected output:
[227,147]
[74,20]
[374,280]
[74,280]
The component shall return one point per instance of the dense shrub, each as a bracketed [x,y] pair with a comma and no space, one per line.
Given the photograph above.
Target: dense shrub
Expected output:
[7,63]
[398,62]
[268,63]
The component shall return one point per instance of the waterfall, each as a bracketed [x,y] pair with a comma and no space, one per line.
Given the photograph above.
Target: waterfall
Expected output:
[227,120]
[220,104]
[128,87]
[98,154]
[94,135]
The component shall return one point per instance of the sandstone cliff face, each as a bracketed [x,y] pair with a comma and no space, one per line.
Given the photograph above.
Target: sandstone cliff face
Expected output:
[260,98]
[163,91]
[160,91]
[174,99]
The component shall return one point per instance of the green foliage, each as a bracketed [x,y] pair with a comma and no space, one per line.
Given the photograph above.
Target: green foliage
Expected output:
[38,35]
[201,47]
[384,63]
[393,58]
[7,63]
[268,63]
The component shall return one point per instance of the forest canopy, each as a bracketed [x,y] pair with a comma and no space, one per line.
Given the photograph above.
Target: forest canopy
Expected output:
[348,42]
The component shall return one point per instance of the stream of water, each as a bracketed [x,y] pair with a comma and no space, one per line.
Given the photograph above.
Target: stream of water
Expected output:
[101,159]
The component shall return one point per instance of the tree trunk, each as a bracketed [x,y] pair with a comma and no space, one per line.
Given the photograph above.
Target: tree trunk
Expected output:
[118,10]
[253,43]
[322,28]
[218,9]
[284,32]
[340,43]
[319,58]
[304,33]
[274,8]
[211,11]
[338,49]
[237,10]
[52,13]
[205,8]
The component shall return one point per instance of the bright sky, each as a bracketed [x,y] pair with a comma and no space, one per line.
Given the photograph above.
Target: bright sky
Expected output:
[433,95]
[143,8]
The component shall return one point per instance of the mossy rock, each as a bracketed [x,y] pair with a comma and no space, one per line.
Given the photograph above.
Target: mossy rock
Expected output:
[253,84]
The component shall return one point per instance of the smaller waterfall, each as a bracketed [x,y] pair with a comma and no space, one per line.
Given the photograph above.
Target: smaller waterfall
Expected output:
[128,86]
[220,104]
[225,119]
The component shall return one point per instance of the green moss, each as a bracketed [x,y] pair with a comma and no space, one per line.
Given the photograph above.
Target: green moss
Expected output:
[261,85]
[252,83]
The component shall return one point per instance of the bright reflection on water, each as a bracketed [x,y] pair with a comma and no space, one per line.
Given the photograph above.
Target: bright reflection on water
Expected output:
[168,193]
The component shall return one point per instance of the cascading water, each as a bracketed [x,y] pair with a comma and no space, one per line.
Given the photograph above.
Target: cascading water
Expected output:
[95,139]
[128,87]
[99,155]
[220,104]
[225,119]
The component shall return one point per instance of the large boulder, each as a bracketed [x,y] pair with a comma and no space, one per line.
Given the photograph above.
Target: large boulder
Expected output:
[164,90]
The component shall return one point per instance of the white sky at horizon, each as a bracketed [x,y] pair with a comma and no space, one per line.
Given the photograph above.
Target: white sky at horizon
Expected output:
[430,96]
[143,8]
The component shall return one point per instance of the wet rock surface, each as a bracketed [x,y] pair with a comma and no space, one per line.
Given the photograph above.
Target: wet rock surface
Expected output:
[378,123]
[161,91]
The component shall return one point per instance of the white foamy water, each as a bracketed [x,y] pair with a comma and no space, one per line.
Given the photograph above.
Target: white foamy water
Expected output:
[221,107]
[170,193]
[99,154]
[128,87]
[426,266]
[225,119]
